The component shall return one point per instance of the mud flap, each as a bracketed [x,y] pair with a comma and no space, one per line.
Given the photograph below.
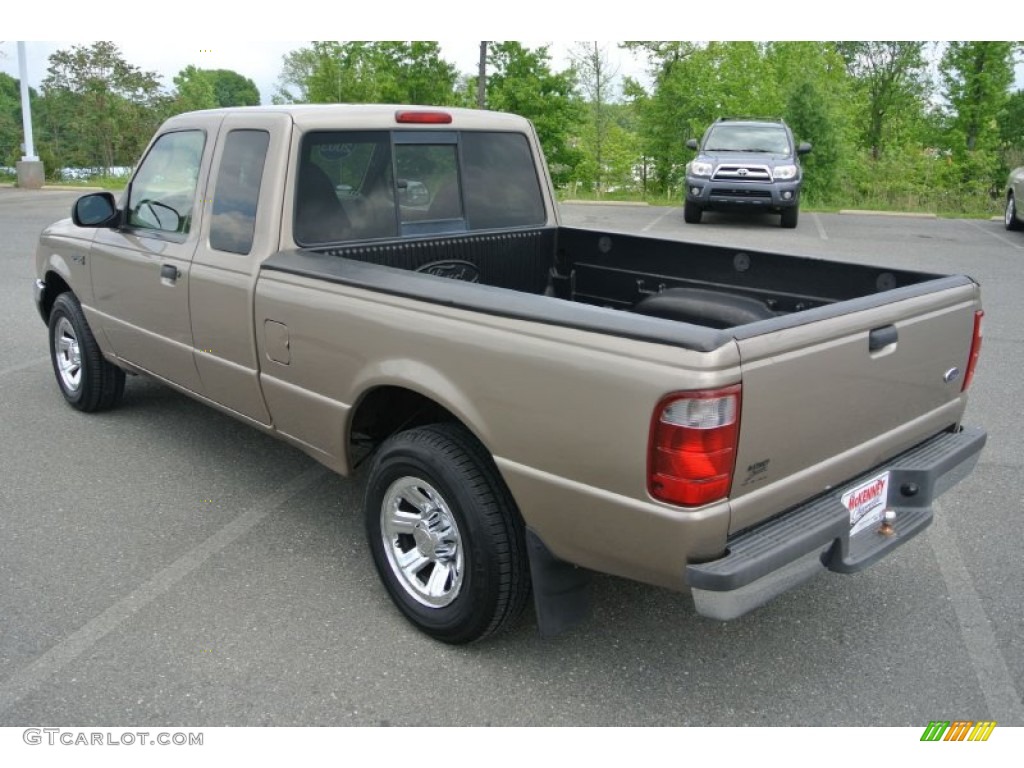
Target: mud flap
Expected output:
[561,590]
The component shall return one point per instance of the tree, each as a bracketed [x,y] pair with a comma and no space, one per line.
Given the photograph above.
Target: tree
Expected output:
[891,78]
[522,82]
[10,120]
[230,89]
[976,76]
[211,88]
[195,91]
[597,82]
[694,84]
[1011,121]
[368,72]
[97,109]
[814,89]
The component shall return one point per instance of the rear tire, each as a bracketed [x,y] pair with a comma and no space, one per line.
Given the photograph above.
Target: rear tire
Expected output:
[445,534]
[87,381]
[692,212]
[1010,220]
[789,219]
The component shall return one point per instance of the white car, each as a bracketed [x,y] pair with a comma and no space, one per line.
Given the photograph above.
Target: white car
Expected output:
[1013,218]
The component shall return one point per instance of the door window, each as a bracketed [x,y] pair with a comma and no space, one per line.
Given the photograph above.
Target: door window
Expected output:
[164,189]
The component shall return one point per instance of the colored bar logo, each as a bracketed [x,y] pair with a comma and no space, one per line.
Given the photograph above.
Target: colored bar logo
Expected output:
[958,730]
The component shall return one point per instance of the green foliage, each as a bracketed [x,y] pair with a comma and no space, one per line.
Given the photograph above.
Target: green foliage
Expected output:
[812,84]
[381,72]
[10,119]
[917,180]
[520,80]
[890,81]
[195,91]
[976,76]
[884,135]
[97,110]
[1010,121]
[212,88]
[231,89]
[694,85]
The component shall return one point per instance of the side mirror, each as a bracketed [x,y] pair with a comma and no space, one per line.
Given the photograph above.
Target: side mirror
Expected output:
[96,210]
[804,148]
[691,144]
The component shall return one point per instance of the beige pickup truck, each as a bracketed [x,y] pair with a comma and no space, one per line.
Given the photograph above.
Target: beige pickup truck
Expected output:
[535,402]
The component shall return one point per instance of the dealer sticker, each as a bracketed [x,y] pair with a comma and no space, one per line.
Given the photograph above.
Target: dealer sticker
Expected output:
[866,503]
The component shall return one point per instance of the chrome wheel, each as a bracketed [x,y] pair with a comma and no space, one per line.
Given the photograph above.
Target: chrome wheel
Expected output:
[422,542]
[68,354]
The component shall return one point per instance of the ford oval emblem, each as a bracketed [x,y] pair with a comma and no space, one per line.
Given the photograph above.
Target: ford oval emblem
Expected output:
[454,269]
[951,375]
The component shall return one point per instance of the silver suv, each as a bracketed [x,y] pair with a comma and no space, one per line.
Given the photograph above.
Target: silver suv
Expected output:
[745,164]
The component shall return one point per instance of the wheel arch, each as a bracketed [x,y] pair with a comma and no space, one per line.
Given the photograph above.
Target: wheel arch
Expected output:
[56,284]
[385,408]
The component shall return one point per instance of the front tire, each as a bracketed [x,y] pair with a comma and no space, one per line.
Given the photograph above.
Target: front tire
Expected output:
[1010,220]
[445,535]
[692,212]
[87,381]
[790,216]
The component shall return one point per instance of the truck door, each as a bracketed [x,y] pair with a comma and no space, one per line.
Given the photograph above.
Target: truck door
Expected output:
[243,205]
[140,271]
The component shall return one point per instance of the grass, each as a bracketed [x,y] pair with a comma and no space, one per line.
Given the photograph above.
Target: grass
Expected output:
[112,183]
[939,202]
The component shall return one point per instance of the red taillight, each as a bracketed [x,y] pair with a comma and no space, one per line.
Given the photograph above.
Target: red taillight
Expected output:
[422,116]
[972,361]
[692,450]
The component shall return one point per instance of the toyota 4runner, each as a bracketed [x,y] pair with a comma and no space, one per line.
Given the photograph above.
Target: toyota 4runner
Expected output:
[745,164]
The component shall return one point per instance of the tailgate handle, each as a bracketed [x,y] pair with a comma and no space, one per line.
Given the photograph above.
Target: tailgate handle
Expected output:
[882,337]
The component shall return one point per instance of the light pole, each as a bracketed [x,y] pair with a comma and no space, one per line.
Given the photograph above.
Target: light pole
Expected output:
[30,169]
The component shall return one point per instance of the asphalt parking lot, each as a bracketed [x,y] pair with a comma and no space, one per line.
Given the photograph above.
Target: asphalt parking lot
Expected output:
[162,563]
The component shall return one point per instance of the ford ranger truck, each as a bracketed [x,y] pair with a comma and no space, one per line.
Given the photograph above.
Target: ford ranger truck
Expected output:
[390,287]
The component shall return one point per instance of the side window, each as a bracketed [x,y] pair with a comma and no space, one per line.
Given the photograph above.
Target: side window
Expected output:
[345,188]
[500,180]
[238,191]
[164,189]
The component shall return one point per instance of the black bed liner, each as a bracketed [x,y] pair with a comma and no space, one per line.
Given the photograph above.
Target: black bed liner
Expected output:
[584,279]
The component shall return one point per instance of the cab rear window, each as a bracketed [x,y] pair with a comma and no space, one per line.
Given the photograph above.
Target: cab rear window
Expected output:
[355,185]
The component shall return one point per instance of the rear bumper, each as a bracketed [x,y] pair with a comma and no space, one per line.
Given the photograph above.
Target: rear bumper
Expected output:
[771,558]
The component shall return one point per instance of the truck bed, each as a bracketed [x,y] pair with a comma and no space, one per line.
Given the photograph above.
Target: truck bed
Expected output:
[816,340]
[624,285]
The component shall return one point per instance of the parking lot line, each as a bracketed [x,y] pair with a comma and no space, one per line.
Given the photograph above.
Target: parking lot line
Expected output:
[994,678]
[652,224]
[820,226]
[1000,238]
[29,678]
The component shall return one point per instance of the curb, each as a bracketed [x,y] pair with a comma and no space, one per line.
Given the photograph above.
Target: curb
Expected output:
[603,202]
[56,188]
[899,214]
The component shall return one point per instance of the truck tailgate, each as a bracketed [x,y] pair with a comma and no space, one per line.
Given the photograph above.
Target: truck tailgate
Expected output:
[827,400]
